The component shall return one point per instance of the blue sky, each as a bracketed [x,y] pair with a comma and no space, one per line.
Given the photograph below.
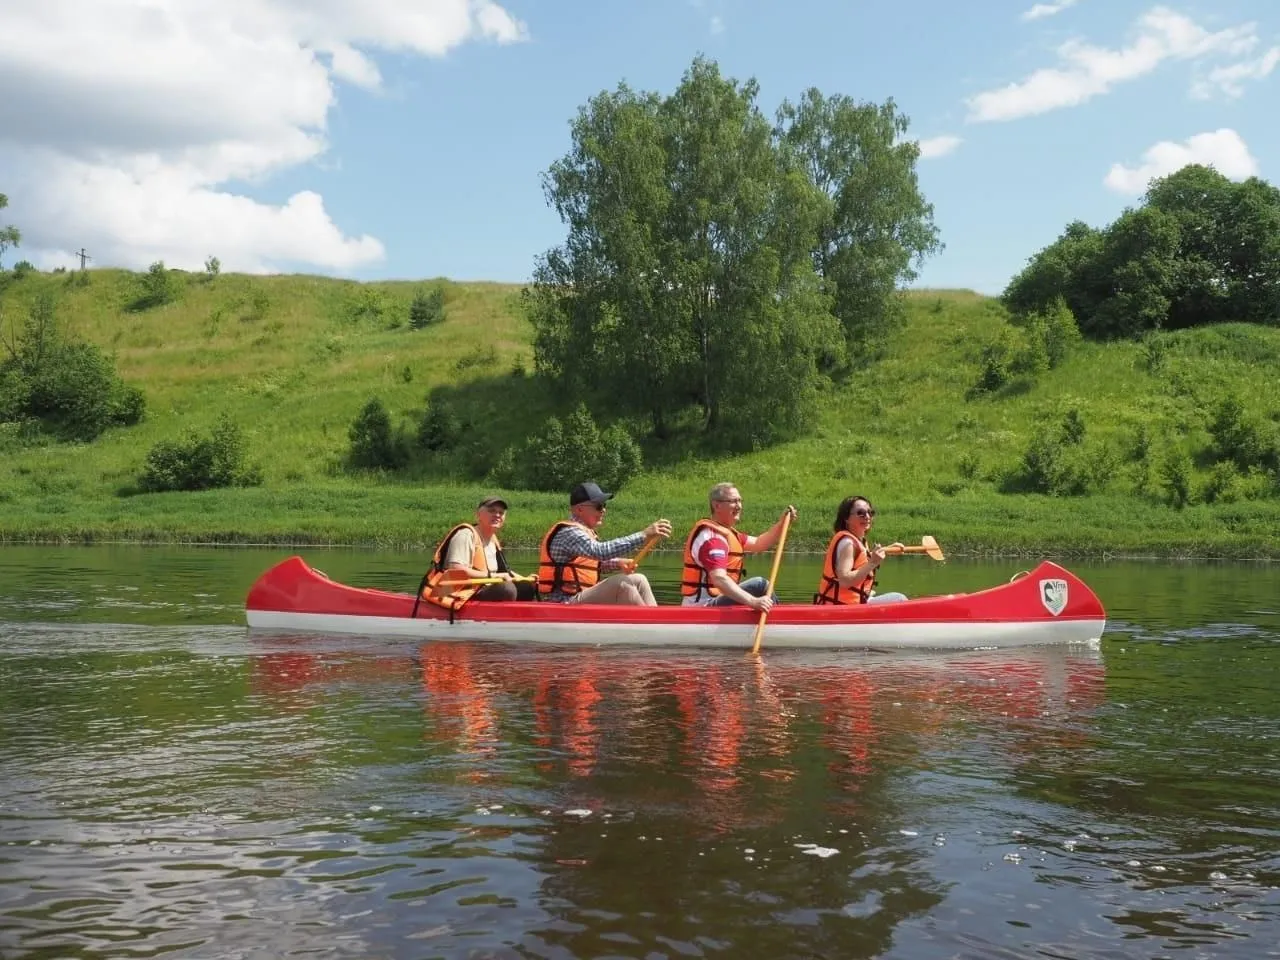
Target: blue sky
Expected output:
[405,140]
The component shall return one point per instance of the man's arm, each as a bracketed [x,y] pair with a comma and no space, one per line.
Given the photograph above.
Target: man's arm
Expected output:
[572,542]
[770,537]
[720,579]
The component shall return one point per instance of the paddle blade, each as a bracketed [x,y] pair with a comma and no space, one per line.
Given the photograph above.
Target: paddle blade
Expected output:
[932,549]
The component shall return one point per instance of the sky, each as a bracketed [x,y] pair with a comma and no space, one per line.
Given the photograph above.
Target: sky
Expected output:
[407,139]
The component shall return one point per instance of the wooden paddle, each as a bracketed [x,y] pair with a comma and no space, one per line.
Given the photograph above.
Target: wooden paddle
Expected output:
[644,551]
[479,581]
[928,546]
[773,578]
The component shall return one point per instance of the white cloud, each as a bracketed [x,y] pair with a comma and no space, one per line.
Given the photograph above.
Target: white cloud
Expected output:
[1088,71]
[138,117]
[1229,80]
[1224,150]
[938,146]
[1042,10]
[717,24]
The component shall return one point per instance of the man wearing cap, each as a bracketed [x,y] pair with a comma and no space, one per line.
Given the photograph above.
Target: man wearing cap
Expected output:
[572,557]
[473,552]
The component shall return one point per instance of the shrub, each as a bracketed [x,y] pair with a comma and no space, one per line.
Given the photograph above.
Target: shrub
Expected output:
[440,428]
[996,366]
[1175,471]
[374,443]
[427,308]
[1055,462]
[66,385]
[481,355]
[1240,439]
[156,287]
[563,453]
[212,267]
[22,268]
[198,462]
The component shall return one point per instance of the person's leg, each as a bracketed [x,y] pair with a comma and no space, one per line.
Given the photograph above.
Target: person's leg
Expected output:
[526,590]
[500,592]
[623,588]
[888,598]
[756,586]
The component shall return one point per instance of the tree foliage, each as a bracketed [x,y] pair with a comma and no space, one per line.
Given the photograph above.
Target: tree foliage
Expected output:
[564,452]
[200,461]
[875,225]
[1200,249]
[10,236]
[703,262]
[64,384]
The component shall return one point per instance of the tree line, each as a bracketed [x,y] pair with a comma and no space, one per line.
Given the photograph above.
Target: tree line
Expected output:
[1199,249]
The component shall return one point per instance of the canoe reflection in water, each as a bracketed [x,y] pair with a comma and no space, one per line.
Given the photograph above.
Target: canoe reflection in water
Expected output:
[707,726]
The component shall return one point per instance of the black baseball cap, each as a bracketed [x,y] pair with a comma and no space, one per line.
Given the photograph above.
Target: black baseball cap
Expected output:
[491,502]
[588,492]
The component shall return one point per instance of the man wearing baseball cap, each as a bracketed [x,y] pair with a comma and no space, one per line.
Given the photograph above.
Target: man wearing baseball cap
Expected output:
[572,557]
[470,552]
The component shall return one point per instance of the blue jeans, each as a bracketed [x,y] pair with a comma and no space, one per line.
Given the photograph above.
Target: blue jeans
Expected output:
[756,586]
[887,598]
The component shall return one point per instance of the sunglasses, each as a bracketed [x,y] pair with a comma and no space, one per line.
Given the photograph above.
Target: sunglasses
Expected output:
[864,513]
[600,507]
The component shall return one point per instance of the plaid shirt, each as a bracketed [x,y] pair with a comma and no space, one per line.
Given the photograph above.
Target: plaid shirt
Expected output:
[571,542]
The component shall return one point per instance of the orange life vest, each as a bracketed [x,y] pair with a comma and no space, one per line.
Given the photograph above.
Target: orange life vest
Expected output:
[436,589]
[693,578]
[829,588]
[566,578]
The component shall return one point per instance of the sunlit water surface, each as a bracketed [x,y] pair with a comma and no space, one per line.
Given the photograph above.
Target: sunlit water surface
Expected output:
[173,785]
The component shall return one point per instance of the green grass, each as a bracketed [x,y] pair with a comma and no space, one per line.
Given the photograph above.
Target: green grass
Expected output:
[293,358]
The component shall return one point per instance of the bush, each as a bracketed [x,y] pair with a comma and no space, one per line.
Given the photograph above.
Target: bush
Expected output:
[156,287]
[440,428]
[1175,471]
[1056,462]
[997,366]
[1240,439]
[197,462]
[22,268]
[374,443]
[564,453]
[427,308]
[212,267]
[1054,330]
[68,386]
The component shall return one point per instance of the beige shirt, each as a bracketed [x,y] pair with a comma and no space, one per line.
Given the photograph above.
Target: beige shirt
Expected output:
[463,547]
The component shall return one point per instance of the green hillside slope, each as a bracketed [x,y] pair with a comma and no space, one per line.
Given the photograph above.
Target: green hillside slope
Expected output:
[292,359]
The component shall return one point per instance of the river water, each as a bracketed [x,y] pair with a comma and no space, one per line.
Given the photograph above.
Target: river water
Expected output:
[171,785]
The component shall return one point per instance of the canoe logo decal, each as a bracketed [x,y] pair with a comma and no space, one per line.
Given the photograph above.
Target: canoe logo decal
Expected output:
[1053,593]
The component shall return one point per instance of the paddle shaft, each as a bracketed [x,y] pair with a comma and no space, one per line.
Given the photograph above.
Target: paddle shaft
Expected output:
[773,578]
[644,551]
[480,581]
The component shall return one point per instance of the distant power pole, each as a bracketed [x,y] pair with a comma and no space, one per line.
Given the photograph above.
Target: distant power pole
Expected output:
[83,257]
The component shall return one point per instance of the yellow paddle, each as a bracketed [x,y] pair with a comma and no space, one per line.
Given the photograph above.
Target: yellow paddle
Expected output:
[644,551]
[479,581]
[928,546]
[773,579]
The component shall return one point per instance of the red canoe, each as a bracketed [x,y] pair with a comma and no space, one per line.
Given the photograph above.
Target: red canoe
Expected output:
[1050,605]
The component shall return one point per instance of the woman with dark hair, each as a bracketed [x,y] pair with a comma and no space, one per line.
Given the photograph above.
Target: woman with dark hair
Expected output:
[849,568]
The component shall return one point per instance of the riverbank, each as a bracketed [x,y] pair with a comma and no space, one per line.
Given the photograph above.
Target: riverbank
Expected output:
[292,360]
[412,518]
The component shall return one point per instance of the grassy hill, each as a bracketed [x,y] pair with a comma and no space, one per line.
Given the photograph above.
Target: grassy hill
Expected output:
[292,359]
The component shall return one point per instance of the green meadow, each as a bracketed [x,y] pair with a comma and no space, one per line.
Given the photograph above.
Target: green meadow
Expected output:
[293,359]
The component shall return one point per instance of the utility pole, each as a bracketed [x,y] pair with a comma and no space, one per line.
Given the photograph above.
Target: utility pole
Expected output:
[83,257]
